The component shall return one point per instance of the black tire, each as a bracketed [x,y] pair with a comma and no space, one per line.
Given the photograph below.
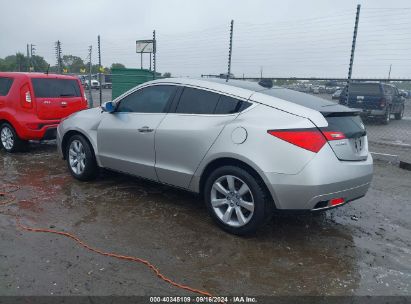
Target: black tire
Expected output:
[263,204]
[18,145]
[90,170]
[387,116]
[399,116]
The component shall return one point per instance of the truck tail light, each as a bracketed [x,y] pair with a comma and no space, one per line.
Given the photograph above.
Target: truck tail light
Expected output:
[309,139]
[25,97]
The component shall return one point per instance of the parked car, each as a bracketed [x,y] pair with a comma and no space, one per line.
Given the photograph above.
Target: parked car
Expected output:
[336,94]
[379,100]
[33,104]
[94,84]
[247,149]
[316,90]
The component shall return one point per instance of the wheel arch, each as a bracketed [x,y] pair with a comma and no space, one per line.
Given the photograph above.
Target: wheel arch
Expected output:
[71,133]
[232,161]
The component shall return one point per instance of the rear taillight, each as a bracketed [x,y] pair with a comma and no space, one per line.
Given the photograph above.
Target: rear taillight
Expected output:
[310,139]
[383,102]
[25,97]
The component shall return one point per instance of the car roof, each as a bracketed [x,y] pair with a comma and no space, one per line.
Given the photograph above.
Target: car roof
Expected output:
[35,75]
[247,89]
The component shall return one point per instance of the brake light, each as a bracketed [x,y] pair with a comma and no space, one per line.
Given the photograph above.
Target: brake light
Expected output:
[309,139]
[334,135]
[383,102]
[25,97]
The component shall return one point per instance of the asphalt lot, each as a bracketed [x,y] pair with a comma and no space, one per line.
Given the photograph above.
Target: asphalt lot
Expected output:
[363,248]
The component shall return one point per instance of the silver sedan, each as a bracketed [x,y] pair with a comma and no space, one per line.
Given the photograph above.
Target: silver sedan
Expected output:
[247,148]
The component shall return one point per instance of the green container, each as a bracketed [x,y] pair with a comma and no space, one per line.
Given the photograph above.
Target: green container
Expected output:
[126,79]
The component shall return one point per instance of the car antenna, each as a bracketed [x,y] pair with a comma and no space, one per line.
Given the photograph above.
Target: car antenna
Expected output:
[48,67]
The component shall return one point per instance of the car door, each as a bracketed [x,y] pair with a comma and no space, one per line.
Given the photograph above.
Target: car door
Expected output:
[188,132]
[125,138]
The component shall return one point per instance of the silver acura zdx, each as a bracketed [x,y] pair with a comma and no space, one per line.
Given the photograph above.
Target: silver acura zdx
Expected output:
[247,148]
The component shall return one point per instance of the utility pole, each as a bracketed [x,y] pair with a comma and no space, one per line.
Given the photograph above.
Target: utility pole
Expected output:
[230,50]
[389,73]
[154,53]
[28,58]
[90,96]
[99,68]
[32,53]
[58,56]
[354,40]
[261,72]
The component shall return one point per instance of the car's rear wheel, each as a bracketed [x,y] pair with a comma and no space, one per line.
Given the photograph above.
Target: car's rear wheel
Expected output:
[236,200]
[387,116]
[400,115]
[80,157]
[9,139]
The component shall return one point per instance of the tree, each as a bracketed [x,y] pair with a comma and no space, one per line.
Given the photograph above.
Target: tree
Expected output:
[73,63]
[167,75]
[117,66]
[38,63]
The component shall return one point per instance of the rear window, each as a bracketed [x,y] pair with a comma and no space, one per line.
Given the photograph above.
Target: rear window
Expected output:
[54,88]
[365,89]
[351,126]
[5,85]
[229,105]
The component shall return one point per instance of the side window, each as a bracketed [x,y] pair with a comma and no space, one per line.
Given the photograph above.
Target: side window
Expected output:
[195,101]
[5,85]
[229,105]
[148,100]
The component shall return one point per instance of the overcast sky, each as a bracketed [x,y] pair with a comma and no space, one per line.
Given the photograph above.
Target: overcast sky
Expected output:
[279,38]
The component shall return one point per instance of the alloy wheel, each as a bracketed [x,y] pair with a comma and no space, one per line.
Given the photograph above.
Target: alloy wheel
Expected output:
[232,201]
[7,138]
[77,157]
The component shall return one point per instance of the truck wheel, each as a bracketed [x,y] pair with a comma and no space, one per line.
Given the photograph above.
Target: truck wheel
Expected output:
[10,141]
[387,116]
[400,115]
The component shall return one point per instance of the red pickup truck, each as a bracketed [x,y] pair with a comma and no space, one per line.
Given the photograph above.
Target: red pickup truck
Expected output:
[33,104]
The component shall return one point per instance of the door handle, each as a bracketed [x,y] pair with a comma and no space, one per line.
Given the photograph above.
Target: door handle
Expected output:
[145,129]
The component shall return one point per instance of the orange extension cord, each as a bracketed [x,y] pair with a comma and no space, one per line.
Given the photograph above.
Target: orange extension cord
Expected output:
[10,198]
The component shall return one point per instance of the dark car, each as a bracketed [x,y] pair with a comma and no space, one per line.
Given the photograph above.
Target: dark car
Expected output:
[379,100]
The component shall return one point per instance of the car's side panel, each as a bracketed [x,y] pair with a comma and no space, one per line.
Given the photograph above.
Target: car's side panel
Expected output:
[182,140]
[260,149]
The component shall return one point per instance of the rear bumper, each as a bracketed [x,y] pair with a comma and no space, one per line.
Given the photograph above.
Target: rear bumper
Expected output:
[373,113]
[322,179]
[45,130]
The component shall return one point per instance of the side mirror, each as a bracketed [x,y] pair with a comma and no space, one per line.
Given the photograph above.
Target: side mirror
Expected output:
[108,107]
[403,94]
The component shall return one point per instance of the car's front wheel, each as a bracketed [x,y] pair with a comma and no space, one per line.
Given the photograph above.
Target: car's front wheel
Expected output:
[80,157]
[236,200]
[9,139]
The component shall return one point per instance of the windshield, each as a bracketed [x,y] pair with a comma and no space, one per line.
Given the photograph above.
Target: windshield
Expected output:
[53,88]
